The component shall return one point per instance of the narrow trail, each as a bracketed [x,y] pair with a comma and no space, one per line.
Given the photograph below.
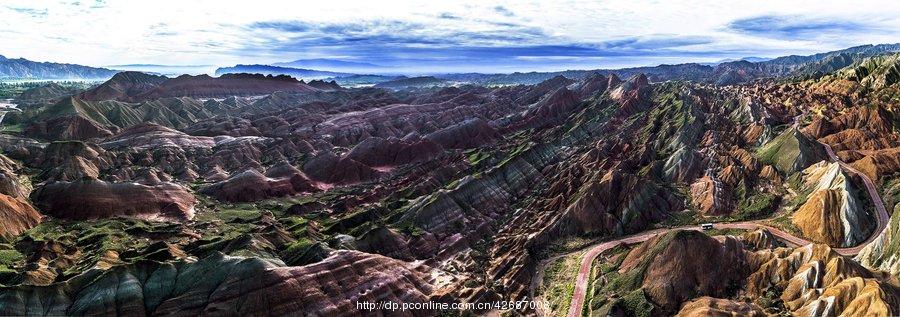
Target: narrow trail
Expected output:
[883,218]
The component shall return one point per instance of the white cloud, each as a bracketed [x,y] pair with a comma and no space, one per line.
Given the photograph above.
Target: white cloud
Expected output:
[214,32]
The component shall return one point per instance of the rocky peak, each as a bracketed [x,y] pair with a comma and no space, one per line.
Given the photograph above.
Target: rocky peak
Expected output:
[124,86]
[832,213]
[791,151]
[712,196]
[324,85]
[613,81]
[639,80]
[680,265]
[136,77]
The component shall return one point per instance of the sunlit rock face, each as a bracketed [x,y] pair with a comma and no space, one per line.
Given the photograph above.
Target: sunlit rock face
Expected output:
[881,254]
[833,214]
[812,280]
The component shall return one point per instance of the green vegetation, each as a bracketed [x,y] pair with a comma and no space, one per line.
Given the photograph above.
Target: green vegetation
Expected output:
[604,299]
[724,232]
[891,185]
[668,119]
[302,252]
[780,152]
[683,218]
[232,221]
[235,229]
[559,282]
[787,149]
[771,301]
[411,229]
[297,226]
[476,156]
[782,217]
[570,244]
[12,89]
[754,203]
[623,282]
[783,222]
[637,304]
[95,237]
[874,72]
[519,149]
[801,194]
[8,256]
[621,291]
[12,128]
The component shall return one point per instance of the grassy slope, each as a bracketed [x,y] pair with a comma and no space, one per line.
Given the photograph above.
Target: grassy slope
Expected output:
[781,152]
[559,282]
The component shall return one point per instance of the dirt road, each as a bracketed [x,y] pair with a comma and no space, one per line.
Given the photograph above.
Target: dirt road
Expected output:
[883,218]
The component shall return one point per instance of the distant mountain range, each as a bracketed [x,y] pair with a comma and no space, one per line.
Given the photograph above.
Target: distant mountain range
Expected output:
[721,74]
[299,73]
[334,65]
[724,73]
[20,68]
[137,86]
[751,59]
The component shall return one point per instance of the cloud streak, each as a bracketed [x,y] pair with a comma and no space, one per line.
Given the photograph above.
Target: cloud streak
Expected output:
[29,11]
[794,27]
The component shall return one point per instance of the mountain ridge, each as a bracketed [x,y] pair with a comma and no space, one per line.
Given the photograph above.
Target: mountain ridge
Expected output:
[300,73]
[325,62]
[20,68]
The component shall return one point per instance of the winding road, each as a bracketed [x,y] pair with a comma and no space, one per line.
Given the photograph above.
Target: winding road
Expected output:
[584,271]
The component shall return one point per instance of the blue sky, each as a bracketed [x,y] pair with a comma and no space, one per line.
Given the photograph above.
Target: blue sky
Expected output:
[432,36]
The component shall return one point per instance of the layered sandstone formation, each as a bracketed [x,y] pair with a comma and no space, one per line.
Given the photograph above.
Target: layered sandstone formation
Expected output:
[792,151]
[760,239]
[881,254]
[94,199]
[724,279]
[222,284]
[817,281]
[880,163]
[43,95]
[16,216]
[301,188]
[124,86]
[710,306]
[711,196]
[380,152]
[330,168]
[251,185]
[832,214]
[16,213]
[11,183]
[680,265]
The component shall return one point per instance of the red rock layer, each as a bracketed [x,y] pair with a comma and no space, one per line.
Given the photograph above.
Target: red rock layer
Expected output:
[96,199]
[16,216]
[252,185]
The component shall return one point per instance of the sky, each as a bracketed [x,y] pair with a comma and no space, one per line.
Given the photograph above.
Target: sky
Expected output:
[437,36]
